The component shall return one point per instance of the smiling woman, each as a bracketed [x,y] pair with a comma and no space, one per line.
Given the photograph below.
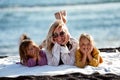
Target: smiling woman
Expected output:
[59,45]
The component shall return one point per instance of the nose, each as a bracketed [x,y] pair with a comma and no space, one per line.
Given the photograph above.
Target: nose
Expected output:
[85,47]
[59,38]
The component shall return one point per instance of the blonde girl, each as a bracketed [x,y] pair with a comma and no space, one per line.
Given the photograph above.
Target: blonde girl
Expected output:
[87,53]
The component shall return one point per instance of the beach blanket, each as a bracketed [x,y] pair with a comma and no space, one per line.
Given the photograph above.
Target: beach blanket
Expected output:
[9,69]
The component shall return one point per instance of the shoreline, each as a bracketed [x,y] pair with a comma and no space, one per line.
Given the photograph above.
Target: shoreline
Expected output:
[110,49]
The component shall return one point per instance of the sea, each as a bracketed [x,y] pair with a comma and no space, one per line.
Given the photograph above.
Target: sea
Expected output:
[99,18]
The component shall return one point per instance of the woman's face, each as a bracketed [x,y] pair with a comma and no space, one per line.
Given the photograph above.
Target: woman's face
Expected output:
[85,45]
[32,50]
[59,35]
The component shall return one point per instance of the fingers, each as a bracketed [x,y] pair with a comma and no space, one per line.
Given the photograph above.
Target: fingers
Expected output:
[66,40]
[52,40]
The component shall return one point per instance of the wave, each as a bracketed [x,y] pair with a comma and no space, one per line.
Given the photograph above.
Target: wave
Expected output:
[30,3]
[66,7]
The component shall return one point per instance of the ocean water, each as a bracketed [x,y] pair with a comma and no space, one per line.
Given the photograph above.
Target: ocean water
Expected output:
[100,18]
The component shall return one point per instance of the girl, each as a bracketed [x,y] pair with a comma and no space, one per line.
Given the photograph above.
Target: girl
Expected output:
[30,54]
[87,54]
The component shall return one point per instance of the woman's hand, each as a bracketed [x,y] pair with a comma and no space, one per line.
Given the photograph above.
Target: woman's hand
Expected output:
[52,40]
[66,40]
[89,55]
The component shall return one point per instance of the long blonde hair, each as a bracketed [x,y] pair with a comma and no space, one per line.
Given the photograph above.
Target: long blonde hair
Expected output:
[56,24]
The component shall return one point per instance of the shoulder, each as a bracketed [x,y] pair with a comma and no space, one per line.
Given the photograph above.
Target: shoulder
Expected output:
[73,41]
[95,51]
[42,52]
[78,52]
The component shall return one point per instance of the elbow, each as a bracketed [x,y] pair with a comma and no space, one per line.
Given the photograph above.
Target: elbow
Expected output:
[52,64]
[80,65]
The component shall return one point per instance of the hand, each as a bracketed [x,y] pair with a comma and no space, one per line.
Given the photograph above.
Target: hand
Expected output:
[64,49]
[40,46]
[39,57]
[66,40]
[89,56]
[43,44]
[52,40]
[83,52]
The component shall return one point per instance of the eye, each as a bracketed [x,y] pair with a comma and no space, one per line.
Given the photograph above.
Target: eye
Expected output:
[62,33]
[88,44]
[31,48]
[54,35]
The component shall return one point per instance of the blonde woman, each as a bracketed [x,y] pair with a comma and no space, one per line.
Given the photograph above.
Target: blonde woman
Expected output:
[60,15]
[87,53]
[60,47]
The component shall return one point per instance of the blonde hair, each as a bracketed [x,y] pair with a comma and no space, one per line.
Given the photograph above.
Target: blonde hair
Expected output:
[87,36]
[56,24]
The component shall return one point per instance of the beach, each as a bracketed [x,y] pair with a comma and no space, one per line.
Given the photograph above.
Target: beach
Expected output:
[96,17]
[109,69]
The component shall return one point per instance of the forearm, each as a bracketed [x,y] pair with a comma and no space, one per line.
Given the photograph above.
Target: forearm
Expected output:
[67,59]
[67,56]
[31,62]
[52,60]
[89,56]
[42,61]
[80,64]
[94,62]
[54,56]
[79,60]
[83,61]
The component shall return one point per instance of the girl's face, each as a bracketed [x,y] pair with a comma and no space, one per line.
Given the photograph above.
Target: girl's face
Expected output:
[59,35]
[32,50]
[85,45]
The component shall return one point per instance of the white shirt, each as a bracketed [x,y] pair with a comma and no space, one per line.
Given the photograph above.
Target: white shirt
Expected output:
[67,56]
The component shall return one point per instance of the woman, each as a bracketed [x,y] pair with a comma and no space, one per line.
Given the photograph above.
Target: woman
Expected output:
[60,47]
